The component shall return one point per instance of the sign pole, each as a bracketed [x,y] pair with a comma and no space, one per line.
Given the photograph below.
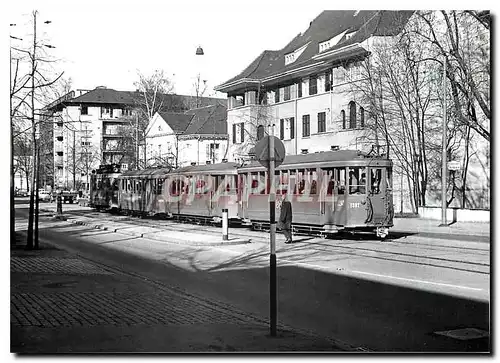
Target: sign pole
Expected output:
[272,236]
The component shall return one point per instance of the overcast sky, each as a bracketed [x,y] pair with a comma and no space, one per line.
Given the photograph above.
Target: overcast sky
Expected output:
[105,43]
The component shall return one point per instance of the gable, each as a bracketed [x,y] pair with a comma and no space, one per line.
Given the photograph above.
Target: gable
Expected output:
[158,126]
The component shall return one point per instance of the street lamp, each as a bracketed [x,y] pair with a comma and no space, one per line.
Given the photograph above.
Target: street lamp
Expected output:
[199,50]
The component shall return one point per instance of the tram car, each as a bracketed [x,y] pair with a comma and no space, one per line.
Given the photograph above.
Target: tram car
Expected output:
[104,187]
[330,192]
[196,192]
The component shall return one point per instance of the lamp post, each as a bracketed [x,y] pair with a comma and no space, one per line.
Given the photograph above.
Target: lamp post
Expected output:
[444,153]
[12,173]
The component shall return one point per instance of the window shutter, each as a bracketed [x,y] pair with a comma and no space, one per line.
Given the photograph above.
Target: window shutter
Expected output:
[242,129]
[234,133]
[292,128]
[282,129]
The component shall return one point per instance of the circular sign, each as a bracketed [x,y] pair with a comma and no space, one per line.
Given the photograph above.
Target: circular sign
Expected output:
[262,151]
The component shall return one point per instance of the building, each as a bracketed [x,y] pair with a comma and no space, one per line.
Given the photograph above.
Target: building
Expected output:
[98,127]
[197,136]
[303,89]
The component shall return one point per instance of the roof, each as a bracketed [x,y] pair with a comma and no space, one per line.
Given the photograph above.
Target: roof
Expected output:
[325,26]
[151,173]
[177,121]
[209,120]
[213,168]
[105,96]
[326,156]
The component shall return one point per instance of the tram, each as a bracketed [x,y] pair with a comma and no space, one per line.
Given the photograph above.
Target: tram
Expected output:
[330,192]
[104,187]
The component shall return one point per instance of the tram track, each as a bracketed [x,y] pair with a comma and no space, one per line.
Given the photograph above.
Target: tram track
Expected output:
[331,246]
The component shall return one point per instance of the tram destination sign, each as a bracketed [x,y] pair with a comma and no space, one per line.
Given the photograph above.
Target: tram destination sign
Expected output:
[262,151]
[453,165]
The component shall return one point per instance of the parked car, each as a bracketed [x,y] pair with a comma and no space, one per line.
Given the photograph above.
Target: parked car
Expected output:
[44,196]
[21,193]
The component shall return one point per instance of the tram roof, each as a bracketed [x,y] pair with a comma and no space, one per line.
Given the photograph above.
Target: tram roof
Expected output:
[344,157]
[153,172]
[215,168]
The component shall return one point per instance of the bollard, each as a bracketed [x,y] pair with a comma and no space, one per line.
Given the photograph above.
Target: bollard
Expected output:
[225,232]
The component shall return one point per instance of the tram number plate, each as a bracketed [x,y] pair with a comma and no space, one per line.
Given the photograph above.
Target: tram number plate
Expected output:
[354,205]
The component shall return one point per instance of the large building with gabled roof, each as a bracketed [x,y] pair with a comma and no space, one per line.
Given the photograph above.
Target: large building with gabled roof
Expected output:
[302,89]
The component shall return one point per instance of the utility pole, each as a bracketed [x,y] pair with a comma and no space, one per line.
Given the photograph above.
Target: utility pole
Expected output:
[29,243]
[37,201]
[74,159]
[444,153]
[136,141]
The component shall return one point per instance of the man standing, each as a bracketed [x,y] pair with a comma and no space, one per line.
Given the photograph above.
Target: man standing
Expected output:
[286,218]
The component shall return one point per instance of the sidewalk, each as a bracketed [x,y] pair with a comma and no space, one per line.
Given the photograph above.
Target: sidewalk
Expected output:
[62,303]
[429,227]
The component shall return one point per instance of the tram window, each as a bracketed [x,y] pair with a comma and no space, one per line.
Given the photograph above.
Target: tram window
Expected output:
[301,181]
[115,185]
[139,186]
[313,177]
[159,185]
[376,177]
[263,179]
[282,183]
[255,183]
[357,180]
[331,183]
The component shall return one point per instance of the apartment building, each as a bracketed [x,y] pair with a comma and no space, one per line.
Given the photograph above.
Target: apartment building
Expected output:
[197,136]
[305,89]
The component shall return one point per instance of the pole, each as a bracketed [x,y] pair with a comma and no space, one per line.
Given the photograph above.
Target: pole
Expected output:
[37,201]
[12,176]
[74,160]
[136,141]
[225,229]
[272,236]
[29,242]
[444,155]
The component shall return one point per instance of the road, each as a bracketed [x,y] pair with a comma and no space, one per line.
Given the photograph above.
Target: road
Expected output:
[382,296]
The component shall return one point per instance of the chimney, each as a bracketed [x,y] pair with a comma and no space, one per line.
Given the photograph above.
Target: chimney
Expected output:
[303,151]
[334,148]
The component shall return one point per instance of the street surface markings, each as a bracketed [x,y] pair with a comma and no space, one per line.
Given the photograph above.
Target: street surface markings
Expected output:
[419,281]
[55,265]
[464,334]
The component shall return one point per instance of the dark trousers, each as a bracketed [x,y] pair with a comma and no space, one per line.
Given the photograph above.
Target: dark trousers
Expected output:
[286,227]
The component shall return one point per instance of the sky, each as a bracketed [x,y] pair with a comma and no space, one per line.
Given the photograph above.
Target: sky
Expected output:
[107,43]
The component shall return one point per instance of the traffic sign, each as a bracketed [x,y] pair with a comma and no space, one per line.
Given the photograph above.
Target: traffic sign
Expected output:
[453,165]
[262,151]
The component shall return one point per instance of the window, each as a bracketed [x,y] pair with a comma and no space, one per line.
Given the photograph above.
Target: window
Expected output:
[342,116]
[234,133]
[286,93]
[339,75]
[260,132]
[292,127]
[85,110]
[306,131]
[328,81]
[322,122]
[242,131]
[352,115]
[211,150]
[277,95]
[282,129]
[239,100]
[313,85]
[299,85]
[357,180]
[361,117]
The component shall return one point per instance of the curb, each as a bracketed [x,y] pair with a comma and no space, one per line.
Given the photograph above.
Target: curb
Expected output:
[171,240]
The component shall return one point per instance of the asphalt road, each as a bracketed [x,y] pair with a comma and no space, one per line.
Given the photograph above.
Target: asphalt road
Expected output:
[391,296]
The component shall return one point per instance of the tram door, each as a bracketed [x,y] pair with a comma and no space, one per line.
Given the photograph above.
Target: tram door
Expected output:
[339,197]
[377,195]
[356,201]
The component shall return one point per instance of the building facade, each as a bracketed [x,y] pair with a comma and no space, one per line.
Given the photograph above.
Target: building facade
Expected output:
[304,91]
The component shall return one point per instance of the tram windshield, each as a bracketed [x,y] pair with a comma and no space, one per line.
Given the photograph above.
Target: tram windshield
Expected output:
[357,180]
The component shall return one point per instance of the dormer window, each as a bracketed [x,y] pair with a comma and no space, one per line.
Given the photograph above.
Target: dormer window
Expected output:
[292,57]
[327,44]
